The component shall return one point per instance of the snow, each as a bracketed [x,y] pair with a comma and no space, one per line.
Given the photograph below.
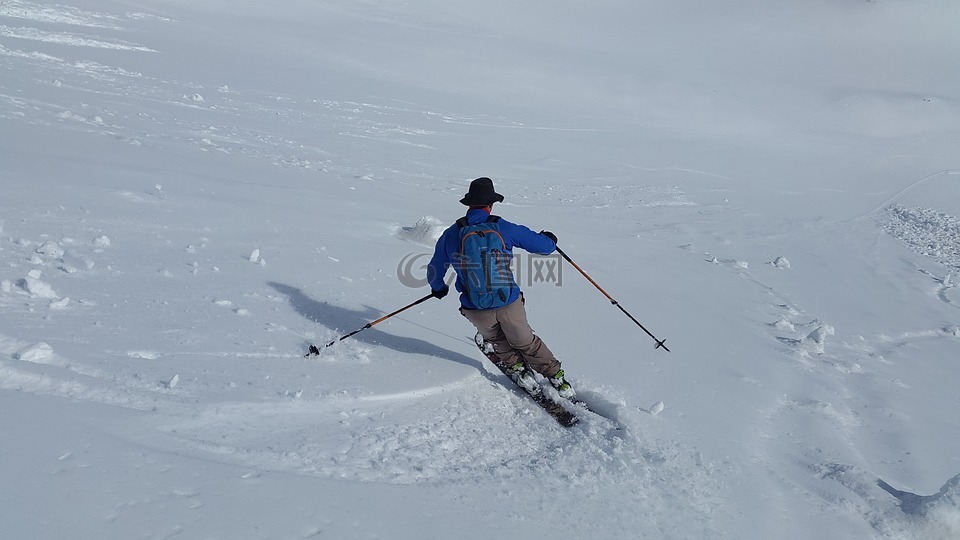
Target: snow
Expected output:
[35,287]
[929,232]
[41,353]
[773,189]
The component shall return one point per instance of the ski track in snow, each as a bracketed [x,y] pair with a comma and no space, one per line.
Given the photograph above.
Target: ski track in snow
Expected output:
[67,38]
[221,132]
[468,432]
[815,346]
[30,11]
[227,112]
[605,196]
[38,367]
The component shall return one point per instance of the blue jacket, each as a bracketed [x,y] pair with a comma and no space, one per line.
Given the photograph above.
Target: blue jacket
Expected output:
[513,236]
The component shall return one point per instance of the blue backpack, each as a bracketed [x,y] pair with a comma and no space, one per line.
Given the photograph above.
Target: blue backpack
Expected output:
[484,264]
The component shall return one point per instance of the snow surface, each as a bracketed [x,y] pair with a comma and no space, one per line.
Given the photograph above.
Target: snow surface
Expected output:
[193,192]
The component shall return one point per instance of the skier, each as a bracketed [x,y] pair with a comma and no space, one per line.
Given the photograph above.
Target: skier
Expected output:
[480,248]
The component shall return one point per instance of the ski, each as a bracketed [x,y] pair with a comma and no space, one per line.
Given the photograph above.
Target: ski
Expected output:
[526,382]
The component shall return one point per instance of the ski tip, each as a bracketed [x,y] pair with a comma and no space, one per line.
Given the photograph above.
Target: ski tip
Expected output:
[661,343]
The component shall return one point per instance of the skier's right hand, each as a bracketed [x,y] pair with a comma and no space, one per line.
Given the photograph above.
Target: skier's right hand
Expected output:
[441,292]
[549,235]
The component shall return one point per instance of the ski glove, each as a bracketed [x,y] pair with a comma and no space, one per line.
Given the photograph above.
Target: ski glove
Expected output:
[549,235]
[441,292]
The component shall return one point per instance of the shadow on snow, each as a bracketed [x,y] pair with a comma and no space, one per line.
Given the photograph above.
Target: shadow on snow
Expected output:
[912,503]
[342,318]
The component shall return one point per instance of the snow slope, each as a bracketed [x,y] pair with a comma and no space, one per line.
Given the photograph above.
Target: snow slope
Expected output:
[192,192]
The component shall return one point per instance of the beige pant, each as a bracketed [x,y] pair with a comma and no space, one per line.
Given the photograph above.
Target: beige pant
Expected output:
[513,339]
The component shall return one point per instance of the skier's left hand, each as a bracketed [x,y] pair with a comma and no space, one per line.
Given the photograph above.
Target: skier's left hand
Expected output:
[549,235]
[441,292]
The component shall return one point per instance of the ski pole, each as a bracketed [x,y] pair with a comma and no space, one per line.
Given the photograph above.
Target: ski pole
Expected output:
[316,351]
[660,342]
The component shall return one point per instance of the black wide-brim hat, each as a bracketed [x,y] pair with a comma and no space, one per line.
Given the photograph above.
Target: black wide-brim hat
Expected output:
[481,193]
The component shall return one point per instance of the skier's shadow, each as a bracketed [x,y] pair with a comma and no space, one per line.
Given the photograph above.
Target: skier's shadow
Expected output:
[341,318]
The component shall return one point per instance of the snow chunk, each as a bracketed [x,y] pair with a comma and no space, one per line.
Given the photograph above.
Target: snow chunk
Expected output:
[60,304]
[784,325]
[789,309]
[781,262]
[656,408]
[426,231]
[51,249]
[815,340]
[6,286]
[40,353]
[101,241]
[744,265]
[72,262]
[36,287]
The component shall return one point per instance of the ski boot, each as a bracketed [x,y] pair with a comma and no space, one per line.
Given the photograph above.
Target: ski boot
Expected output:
[520,374]
[562,386]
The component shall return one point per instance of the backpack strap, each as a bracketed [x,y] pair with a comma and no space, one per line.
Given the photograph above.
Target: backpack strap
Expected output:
[462,222]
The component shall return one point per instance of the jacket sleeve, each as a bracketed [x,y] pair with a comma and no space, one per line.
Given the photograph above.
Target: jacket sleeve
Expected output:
[522,237]
[441,260]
